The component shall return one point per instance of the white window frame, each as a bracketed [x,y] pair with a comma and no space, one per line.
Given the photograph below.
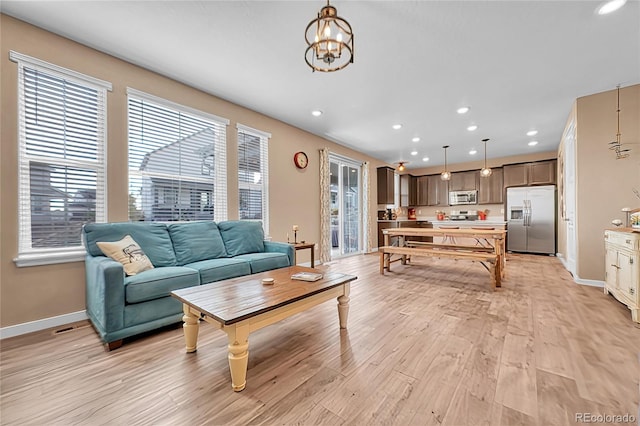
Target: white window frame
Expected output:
[27,255]
[220,179]
[264,171]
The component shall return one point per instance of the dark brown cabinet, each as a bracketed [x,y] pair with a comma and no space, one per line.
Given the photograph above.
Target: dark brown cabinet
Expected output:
[536,173]
[386,185]
[464,181]
[491,188]
[542,173]
[408,194]
[422,191]
[438,191]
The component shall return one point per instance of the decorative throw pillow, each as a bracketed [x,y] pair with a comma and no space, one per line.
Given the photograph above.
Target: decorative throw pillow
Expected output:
[127,252]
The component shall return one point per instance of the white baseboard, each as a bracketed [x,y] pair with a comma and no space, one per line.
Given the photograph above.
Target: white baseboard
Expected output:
[43,324]
[576,278]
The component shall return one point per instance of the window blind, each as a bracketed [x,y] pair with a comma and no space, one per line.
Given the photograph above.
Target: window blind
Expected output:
[253,175]
[177,161]
[61,126]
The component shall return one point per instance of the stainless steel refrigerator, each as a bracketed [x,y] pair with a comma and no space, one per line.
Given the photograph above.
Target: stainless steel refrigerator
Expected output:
[531,219]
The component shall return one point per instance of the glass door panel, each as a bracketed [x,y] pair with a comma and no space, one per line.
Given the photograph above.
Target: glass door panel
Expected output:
[346,195]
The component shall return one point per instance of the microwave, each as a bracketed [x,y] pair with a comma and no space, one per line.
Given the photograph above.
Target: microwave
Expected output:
[463,197]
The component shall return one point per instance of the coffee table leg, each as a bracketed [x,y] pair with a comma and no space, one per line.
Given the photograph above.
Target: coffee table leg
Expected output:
[343,306]
[238,355]
[190,327]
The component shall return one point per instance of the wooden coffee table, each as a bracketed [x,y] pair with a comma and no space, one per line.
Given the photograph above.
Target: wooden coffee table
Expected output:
[241,305]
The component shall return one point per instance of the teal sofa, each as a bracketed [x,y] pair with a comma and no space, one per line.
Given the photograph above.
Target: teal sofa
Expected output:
[183,254]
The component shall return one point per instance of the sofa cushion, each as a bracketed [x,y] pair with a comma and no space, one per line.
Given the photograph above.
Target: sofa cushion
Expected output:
[195,241]
[158,282]
[261,262]
[242,236]
[220,269]
[128,253]
[152,237]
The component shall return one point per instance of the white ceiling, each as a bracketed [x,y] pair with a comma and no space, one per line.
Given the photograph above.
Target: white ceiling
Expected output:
[518,64]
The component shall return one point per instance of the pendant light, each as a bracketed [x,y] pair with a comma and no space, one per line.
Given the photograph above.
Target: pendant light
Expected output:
[329,41]
[617,144]
[485,172]
[401,166]
[445,175]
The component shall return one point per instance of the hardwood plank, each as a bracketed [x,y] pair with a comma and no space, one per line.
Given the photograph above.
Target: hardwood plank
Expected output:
[424,345]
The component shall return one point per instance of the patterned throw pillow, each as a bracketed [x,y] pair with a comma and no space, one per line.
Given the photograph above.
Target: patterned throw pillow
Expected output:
[127,252]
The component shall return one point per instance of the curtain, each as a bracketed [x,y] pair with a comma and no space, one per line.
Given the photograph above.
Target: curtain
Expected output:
[366,194]
[325,201]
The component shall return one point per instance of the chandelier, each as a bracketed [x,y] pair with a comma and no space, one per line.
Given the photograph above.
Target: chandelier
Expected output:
[617,144]
[486,171]
[329,41]
[445,175]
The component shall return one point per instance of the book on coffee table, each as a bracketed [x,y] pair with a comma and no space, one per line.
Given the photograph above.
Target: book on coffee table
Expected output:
[306,276]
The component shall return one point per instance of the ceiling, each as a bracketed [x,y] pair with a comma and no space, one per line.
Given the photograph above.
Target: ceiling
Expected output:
[518,64]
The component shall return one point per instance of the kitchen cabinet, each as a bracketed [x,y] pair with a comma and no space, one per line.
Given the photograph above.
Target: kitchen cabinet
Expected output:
[536,173]
[622,268]
[438,191]
[408,194]
[422,191]
[386,193]
[464,181]
[491,188]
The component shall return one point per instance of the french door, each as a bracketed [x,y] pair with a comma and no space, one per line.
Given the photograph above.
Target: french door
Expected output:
[345,206]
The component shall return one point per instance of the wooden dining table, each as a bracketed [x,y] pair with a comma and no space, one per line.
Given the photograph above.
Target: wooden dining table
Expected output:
[484,239]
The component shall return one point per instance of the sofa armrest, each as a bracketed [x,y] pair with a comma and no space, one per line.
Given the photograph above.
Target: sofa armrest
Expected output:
[276,247]
[105,292]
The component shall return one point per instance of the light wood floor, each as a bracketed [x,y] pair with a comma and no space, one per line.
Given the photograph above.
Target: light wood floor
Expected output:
[426,344]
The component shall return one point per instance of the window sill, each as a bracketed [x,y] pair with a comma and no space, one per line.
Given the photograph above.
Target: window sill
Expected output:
[49,257]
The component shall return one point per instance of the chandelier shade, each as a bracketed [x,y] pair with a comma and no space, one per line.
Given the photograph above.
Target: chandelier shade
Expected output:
[329,41]
[446,174]
[485,171]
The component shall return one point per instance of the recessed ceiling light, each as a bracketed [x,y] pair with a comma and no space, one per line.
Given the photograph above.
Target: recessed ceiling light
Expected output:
[463,110]
[532,132]
[533,143]
[472,128]
[414,152]
[416,139]
[316,113]
[473,152]
[425,159]
[397,126]
[610,6]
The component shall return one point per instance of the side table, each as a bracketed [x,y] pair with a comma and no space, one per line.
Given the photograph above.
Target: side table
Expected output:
[302,246]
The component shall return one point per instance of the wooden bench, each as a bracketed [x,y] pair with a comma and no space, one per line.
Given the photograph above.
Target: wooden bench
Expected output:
[457,247]
[479,255]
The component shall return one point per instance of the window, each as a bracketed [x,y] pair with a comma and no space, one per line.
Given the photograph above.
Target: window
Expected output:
[177,161]
[253,175]
[61,132]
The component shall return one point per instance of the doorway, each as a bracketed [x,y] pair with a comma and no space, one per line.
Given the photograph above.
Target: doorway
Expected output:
[345,206]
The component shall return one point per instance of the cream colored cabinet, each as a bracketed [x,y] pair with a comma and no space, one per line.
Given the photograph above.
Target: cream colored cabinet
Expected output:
[622,268]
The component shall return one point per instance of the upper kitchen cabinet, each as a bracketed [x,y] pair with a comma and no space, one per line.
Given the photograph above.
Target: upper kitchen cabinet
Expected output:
[536,173]
[438,191]
[491,188]
[408,194]
[422,191]
[464,181]
[386,193]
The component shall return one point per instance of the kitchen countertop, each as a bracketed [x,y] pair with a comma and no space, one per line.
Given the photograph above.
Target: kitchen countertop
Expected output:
[488,222]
